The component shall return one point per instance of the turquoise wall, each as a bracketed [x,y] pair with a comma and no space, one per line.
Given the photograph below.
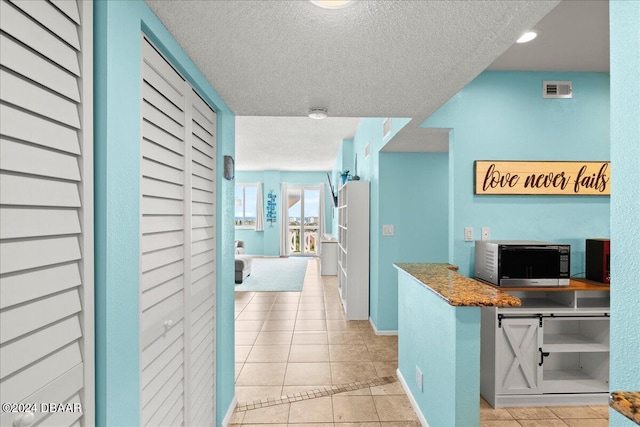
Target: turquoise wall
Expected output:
[501,115]
[442,341]
[498,116]
[344,161]
[267,242]
[413,198]
[370,132]
[625,200]
[117,52]
[393,176]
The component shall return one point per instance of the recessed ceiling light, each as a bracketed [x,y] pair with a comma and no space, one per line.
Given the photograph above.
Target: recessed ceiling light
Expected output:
[332,4]
[318,113]
[527,37]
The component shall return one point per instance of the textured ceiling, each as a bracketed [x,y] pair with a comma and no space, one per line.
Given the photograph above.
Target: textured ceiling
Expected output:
[573,37]
[370,59]
[290,142]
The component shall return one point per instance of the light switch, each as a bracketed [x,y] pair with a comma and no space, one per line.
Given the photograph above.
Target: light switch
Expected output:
[387,230]
[468,234]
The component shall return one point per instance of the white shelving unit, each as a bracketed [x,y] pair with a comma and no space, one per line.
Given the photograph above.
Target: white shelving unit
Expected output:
[353,249]
[553,350]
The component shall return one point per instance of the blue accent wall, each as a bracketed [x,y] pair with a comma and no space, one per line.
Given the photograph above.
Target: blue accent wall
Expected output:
[442,341]
[625,200]
[343,162]
[501,115]
[267,242]
[413,198]
[117,54]
[408,191]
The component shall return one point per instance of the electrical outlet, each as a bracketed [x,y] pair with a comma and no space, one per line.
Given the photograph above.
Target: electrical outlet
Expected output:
[468,234]
[486,233]
[387,230]
[419,378]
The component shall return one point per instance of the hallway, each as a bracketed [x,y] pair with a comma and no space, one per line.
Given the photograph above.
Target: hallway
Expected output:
[298,346]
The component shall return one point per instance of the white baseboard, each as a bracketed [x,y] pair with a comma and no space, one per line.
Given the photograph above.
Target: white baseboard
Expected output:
[384,332]
[229,414]
[412,400]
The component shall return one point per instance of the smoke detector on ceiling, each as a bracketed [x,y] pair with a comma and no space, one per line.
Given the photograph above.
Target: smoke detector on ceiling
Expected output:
[557,89]
[318,113]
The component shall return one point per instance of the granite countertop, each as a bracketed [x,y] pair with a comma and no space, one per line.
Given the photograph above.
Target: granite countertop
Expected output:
[456,289]
[627,403]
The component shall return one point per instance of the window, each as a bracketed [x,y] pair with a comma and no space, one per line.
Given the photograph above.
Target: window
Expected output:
[246,200]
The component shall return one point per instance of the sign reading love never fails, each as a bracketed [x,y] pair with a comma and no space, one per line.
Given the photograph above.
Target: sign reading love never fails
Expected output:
[542,178]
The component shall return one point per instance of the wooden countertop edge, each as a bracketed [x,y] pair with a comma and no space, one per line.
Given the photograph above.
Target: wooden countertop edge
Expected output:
[627,403]
[574,285]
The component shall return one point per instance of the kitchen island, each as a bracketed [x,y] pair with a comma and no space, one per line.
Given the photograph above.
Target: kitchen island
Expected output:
[439,341]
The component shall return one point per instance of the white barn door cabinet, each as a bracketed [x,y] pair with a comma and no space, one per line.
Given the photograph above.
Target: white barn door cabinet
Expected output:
[553,350]
[177,245]
[46,212]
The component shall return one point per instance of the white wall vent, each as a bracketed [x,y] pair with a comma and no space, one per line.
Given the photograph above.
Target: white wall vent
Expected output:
[367,150]
[557,89]
[386,128]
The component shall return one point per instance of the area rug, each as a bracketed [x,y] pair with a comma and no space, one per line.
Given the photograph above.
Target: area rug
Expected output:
[275,275]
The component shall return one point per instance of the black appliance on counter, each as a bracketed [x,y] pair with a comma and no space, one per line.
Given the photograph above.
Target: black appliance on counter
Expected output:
[597,260]
[517,263]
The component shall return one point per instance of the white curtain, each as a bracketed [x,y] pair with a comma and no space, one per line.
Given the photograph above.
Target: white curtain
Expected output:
[321,226]
[284,221]
[259,208]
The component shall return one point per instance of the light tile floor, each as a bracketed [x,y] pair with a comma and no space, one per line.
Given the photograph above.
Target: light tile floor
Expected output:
[299,362]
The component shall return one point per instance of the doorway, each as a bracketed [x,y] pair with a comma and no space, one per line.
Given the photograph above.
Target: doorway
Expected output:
[304,223]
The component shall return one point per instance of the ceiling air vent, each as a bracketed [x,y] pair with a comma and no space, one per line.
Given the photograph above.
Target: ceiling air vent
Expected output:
[386,128]
[557,90]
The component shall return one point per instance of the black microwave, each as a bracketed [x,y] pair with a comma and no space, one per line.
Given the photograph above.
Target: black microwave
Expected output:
[516,263]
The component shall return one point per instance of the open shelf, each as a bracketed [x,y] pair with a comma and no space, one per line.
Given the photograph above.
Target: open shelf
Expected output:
[558,343]
[576,334]
[594,303]
[573,381]
[540,303]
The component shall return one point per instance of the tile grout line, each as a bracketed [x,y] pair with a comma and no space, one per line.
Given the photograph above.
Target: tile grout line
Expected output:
[314,393]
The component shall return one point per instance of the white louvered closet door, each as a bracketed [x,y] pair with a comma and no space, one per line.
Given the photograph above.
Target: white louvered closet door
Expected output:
[46,211]
[177,285]
[202,289]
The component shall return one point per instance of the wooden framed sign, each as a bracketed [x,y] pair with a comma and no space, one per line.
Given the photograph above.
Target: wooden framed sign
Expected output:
[500,177]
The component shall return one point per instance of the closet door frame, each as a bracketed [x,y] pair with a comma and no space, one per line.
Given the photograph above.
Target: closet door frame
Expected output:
[87,220]
[189,93]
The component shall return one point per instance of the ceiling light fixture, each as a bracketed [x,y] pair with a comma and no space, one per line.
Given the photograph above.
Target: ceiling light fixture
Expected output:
[318,113]
[527,37]
[332,4]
